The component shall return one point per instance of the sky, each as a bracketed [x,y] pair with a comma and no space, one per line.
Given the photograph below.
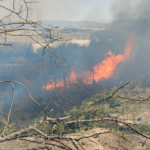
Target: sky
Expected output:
[73,10]
[76,10]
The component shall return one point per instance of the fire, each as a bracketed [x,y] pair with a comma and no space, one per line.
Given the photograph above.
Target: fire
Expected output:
[102,70]
[49,87]
[73,76]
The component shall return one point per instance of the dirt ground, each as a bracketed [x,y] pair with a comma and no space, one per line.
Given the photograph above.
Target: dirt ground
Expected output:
[103,139]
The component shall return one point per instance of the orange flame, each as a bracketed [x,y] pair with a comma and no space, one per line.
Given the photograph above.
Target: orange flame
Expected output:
[73,76]
[102,70]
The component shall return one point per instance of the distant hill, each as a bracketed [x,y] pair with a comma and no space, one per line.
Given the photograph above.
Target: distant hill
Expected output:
[74,24]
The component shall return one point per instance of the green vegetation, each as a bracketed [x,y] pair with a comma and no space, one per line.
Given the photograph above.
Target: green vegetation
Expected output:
[101,109]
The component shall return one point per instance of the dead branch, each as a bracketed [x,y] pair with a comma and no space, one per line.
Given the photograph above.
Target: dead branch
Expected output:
[27,93]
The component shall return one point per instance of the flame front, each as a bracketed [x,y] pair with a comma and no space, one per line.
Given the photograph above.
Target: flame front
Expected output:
[102,70]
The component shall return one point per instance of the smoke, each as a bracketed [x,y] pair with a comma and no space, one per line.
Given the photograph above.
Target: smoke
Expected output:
[20,64]
[131,14]
[130,9]
[134,17]
[128,16]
